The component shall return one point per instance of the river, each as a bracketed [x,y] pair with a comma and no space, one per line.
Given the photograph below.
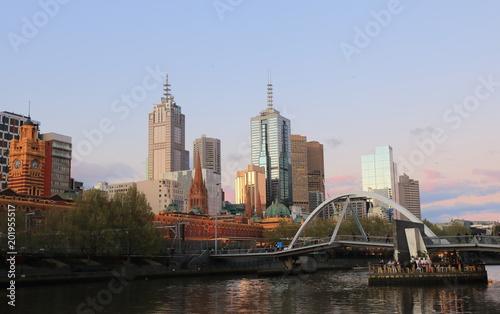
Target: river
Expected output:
[322,292]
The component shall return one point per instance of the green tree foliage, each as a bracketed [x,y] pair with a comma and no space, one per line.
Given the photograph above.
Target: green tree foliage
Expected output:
[133,223]
[284,232]
[50,236]
[123,225]
[320,228]
[373,226]
[434,228]
[457,228]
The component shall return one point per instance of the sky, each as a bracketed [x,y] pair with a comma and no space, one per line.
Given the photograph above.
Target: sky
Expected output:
[420,76]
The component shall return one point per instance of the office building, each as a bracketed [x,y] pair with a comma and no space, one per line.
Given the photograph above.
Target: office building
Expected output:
[57,176]
[270,149]
[9,130]
[300,189]
[315,174]
[251,183]
[379,173]
[409,194]
[209,151]
[166,137]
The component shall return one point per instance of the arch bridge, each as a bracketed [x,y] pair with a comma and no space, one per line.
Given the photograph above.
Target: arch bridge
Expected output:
[300,246]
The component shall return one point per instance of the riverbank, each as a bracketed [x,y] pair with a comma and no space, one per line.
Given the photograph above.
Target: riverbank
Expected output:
[46,271]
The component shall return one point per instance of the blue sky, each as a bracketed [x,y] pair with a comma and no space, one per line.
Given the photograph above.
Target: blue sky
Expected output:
[420,76]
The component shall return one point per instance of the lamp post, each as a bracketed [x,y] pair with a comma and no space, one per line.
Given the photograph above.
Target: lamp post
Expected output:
[26,221]
[217,196]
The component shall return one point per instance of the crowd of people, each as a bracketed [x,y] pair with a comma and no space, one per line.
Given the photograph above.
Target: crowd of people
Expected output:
[425,265]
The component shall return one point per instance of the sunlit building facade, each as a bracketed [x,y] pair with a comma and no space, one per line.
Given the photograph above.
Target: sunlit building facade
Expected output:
[409,194]
[166,137]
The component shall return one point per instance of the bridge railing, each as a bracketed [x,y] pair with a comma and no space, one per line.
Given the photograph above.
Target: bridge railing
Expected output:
[463,239]
[368,238]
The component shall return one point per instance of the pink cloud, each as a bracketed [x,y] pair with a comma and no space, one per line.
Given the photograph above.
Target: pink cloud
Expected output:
[432,174]
[471,199]
[341,179]
[490,175]
[482,217]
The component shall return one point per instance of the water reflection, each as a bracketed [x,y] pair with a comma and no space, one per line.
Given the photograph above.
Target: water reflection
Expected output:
[323,292]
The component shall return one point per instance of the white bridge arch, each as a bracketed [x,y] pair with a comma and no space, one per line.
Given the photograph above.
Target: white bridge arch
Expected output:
[367,194]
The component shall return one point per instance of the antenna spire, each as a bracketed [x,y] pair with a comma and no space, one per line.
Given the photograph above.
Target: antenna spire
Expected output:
[269,90]
[167,88]
[29,108]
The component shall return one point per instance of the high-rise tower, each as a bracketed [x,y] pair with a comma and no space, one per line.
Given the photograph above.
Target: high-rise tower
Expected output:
[166,138]
[409,194]
[209,150]
[270,149]
[379,173]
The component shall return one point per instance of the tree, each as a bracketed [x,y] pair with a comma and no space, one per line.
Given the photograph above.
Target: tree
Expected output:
[434,228]
[134,223]
[123,225]
[88,221]
[285,230]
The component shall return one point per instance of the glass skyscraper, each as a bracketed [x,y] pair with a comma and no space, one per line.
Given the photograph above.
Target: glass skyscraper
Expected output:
[270,149]
[379,173]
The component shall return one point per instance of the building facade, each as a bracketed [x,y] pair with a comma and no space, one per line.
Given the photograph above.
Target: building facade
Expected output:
[9,130]
[161,193]
[57,176]
[166,137]
[253,182]
[315,174]
[409,194]
[122,187]
[27,162]
[379,173]
[300,189]
[271,149]
[209,151]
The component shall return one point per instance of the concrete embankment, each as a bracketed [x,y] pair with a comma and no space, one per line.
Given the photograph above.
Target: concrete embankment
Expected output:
[192,266]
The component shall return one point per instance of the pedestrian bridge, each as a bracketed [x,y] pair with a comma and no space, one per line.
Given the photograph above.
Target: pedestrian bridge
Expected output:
[300,245]
[311,246]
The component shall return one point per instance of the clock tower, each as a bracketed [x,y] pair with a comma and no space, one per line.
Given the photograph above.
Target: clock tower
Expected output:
[27,161]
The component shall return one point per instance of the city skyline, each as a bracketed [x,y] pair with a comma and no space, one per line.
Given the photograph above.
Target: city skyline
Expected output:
[411,75]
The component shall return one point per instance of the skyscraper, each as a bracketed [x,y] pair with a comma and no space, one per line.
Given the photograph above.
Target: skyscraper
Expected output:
[251,183]
[209,150]
[57,175]
[166,138]
[9,130]
[315,174]
[409,194]
[308,172]
[300,188]
[379,173]
[270,149]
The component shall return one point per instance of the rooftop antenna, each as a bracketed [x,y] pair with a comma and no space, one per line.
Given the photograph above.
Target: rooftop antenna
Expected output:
[29,109]
[269,90]
[167,88]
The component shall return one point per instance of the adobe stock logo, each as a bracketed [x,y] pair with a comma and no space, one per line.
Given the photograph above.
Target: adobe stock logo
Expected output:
[30,28]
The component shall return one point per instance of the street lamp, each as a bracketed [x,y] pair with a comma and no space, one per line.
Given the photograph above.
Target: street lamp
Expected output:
[26,221]
[217,211]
